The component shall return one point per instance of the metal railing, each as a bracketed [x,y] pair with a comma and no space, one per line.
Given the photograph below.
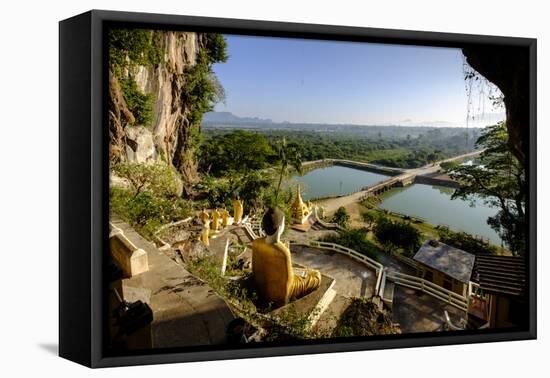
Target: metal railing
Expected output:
[436,291]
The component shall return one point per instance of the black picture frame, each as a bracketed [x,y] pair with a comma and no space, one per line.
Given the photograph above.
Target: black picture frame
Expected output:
[83,182]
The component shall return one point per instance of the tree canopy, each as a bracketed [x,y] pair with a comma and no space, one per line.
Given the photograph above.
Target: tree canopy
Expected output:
[499,180]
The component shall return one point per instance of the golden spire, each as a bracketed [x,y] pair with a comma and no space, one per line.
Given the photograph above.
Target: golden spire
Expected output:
[298,202]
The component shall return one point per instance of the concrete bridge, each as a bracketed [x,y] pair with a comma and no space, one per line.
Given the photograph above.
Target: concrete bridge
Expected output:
[401,178]
[408,176]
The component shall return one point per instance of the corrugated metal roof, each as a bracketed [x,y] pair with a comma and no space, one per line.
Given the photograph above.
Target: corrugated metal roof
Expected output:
[451,261]
[500,274]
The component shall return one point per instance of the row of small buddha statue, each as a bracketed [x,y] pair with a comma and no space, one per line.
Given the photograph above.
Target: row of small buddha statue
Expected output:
[213,225]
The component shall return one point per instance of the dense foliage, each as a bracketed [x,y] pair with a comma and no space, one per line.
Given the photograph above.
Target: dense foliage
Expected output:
[151,199]
[132,47]
[397,234]
[239,151]
[355,239]
[466,242]
[361,145]
[499,179]
[202,89]
[341,217]
[139,103]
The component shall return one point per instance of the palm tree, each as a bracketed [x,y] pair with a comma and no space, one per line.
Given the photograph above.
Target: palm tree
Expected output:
[289,157]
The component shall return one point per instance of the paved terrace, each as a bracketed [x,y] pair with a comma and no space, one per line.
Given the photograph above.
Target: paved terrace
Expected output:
[413,310]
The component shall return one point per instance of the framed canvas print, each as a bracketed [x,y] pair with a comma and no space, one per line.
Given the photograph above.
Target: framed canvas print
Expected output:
[234,188]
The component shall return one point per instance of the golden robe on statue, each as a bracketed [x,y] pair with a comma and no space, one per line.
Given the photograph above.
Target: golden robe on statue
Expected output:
[275,279]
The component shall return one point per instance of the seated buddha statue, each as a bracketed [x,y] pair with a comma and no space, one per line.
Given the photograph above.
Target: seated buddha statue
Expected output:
[274,278]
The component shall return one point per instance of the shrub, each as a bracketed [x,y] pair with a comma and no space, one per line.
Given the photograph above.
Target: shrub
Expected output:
[355,239]
[466,242]
[160,179]
[397,234]
[152,199]
[341,217]
[145,211]
[139,103]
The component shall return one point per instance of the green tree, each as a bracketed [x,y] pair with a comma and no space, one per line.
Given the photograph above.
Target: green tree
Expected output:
[499,180]
[289,157]
[132,47]
[449,166]
[355,239]
[240,151]
[369,218]
[397,234]
[341,217]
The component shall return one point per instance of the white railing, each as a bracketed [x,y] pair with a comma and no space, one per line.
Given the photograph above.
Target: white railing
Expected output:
[373,264]
[250,231]
[406,280]
[436,291]
[408,261]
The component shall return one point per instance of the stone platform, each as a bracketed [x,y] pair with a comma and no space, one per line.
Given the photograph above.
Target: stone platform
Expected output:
[186,311]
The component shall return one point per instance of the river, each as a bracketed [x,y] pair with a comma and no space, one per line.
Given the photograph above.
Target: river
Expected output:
[432,203]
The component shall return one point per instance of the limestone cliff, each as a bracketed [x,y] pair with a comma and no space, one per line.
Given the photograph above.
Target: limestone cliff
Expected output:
[167,136]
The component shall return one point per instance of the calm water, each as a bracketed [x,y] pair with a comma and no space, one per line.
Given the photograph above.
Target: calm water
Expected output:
[432,203]
[335,180]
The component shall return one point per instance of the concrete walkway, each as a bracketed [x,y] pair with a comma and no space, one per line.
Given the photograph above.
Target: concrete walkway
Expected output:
[352,278]
[186,311]
[419,312]
[413,310]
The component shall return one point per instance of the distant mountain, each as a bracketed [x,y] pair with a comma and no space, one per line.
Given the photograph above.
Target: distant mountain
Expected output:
[228,117]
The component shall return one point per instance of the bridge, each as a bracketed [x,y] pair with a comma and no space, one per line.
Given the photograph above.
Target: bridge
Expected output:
[401,177]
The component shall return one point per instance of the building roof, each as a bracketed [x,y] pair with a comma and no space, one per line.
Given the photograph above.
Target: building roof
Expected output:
[451,261]
[500,274]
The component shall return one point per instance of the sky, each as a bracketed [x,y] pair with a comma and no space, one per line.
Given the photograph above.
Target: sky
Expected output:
[313,81]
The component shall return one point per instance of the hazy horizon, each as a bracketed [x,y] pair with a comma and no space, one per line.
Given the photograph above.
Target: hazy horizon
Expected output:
[334,82]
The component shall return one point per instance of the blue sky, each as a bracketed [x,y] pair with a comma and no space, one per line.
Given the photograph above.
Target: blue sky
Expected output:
[312,81]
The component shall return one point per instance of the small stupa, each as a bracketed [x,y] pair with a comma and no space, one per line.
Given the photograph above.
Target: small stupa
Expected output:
[299,210]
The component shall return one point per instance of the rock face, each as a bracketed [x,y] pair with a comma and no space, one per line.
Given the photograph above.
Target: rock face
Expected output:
[140,147]
[167,138]
[507,68]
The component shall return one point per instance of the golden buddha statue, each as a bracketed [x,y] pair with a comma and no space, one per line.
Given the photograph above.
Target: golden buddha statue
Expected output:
[238,210]
[299,210]
[225,217]
[215,220]
[274,278]
[204,217]
[205,233]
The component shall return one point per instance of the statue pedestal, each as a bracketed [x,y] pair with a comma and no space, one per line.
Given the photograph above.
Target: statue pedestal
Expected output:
[313,304]
[304,227]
